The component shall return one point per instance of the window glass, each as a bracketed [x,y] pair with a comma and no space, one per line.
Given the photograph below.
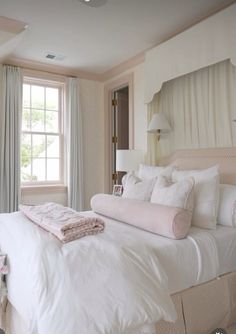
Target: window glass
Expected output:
[41,159]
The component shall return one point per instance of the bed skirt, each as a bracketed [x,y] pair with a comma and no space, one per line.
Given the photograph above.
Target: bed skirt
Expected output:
[200,309]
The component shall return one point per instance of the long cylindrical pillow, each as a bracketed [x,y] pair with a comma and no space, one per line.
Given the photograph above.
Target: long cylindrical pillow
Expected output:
[167,221]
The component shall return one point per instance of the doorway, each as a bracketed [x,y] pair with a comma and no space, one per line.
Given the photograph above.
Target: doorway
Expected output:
[118,125]
[120,128]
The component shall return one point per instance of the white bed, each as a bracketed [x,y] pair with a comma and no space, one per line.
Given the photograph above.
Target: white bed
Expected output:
[189,262]
[202,257]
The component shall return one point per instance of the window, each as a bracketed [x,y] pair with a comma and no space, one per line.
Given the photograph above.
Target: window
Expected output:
[41,141]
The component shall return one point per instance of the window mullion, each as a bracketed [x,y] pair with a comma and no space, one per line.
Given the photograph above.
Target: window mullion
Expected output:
[34,141]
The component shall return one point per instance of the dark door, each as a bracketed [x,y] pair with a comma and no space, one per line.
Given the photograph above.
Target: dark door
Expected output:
[120,128]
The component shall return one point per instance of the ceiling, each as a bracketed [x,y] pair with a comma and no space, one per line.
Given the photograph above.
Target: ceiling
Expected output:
[95,39]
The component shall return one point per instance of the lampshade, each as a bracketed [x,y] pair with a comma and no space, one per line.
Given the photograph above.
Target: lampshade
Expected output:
[128,160]
[158,122]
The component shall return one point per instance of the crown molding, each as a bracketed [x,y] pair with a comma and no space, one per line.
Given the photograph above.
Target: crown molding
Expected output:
[125,66]
[51,68]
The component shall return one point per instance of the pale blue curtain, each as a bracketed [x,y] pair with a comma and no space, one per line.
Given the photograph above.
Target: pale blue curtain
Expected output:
[11,82]
[74,146]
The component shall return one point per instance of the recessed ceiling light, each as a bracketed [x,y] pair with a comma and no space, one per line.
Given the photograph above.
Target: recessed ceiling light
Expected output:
[93,3]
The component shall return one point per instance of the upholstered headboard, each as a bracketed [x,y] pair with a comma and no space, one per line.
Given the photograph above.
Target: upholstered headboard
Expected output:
[204,158]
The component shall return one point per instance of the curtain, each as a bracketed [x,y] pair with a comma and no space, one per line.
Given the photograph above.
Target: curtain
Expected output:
[74,146]
[200,108]
[11,82]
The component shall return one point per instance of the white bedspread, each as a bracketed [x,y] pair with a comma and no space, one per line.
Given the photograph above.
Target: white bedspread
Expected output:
[94,285]
[104,284]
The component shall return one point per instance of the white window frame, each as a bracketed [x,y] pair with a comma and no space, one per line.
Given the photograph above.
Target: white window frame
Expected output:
[61,86]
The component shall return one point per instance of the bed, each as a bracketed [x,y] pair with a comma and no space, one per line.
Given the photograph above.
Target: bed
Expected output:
[200,270]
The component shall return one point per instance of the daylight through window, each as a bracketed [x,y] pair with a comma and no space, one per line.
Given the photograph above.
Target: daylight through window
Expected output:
[41,141]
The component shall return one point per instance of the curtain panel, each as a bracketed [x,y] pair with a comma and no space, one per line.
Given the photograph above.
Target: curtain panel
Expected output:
[200,108]
[11,81]
[74,145]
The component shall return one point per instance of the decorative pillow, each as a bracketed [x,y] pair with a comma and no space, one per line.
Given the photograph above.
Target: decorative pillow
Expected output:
[227,205]
[206,194]
[147,172]
[178,194]
[135,188]
[160,219]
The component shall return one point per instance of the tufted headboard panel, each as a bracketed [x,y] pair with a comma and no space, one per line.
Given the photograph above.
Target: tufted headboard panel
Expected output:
[204,158]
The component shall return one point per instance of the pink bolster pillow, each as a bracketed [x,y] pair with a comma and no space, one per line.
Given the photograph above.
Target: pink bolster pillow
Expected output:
[164,220]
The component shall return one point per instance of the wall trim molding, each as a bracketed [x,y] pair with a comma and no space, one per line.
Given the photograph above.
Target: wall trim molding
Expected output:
[52,68]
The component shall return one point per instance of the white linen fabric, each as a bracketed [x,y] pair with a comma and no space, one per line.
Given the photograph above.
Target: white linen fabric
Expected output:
[135,188]
[225,238]
[227,207]
[205,244]
[74,145]
[109,283]
[178,194]
[206,194]
[10,127]
[180,258]
[121,274]
[147,172]
[200,107]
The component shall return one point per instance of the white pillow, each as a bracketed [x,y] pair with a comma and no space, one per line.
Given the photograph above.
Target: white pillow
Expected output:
[135,188]
[227,205]
[206,194]
[178,194]
[147,172]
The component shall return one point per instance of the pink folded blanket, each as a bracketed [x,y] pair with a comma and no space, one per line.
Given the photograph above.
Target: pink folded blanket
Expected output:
[65,223]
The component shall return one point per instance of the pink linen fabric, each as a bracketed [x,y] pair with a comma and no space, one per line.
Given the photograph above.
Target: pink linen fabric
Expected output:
[65,223]
[167,221]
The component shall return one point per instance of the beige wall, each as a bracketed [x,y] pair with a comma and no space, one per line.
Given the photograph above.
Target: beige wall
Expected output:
[93,134]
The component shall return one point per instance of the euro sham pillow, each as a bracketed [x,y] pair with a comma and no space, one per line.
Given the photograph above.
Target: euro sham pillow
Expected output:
[227,205]
[176,194]
[147,172]
[135,188]
[206,194]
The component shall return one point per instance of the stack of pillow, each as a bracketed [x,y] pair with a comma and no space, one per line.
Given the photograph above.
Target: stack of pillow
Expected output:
[196,190]
[167,201]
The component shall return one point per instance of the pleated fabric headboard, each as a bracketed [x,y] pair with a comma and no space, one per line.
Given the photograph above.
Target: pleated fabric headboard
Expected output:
[204,158]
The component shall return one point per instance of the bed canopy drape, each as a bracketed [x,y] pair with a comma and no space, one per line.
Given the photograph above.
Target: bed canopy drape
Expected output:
[191,78]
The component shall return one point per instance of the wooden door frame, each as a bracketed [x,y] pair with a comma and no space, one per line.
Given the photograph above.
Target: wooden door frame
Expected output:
[124,81]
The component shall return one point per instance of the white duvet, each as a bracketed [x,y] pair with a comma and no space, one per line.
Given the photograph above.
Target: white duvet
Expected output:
[104,284]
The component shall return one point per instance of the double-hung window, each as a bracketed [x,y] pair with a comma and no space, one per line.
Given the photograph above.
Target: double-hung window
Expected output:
[42,133]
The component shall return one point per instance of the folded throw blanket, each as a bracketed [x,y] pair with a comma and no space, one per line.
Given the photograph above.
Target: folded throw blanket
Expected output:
[65,223]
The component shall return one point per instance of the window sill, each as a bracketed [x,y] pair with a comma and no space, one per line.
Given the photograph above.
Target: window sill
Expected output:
[43,189]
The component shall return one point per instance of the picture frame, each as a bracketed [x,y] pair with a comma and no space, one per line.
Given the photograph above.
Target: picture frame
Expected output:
[117,190]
